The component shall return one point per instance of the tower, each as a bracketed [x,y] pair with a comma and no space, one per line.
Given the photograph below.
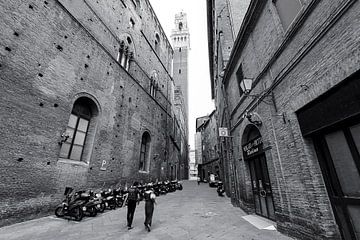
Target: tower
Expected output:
[180,38]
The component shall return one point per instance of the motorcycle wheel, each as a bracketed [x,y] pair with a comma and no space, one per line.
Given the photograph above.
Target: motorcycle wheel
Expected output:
[120,202]
[112,205]
[102,207]
[78,214]
[180,187]
[92,211]
[59,212]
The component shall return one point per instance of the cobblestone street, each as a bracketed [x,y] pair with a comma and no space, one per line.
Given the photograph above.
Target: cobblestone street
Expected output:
[194,213]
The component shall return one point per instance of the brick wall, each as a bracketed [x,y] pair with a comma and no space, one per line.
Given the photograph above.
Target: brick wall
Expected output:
[53,52]
[319,52]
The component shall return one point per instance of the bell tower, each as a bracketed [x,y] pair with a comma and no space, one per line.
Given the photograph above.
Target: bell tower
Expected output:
[180,39]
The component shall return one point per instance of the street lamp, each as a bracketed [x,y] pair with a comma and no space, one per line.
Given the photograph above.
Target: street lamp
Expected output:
[246,85]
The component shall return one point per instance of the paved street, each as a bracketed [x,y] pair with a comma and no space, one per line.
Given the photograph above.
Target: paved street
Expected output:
[194,213]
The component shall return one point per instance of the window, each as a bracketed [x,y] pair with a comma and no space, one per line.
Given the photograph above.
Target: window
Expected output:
[132,23]
[239,77]
[287,10]
[157,43]
[144,164]
[153,88]
[153,84]
[124,55]
[77,130]
[180,26]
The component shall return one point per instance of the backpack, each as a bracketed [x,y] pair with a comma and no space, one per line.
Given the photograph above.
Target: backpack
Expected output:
[133,194]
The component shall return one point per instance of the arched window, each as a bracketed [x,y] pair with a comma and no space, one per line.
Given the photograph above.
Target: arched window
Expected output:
[157,43]
[125,53]
[77,144]
[180,26]
[144,164]
[153,84]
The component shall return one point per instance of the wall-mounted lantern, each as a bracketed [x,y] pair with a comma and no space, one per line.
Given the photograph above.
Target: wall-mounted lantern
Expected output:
[246,87]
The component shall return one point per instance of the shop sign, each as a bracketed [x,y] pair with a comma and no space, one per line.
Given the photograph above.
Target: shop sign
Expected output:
[253,147]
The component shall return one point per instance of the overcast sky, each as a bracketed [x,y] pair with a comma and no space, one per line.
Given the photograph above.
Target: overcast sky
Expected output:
[200,103]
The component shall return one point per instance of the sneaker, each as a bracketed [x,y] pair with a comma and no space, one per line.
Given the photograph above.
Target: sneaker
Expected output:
[129,228]
[148,228]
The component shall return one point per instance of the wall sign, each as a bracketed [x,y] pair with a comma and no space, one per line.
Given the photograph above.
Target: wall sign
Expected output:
[223,132]
[253,147]
[103,165]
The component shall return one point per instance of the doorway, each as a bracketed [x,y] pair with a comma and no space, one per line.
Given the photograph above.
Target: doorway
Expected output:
[261,187]
[255,157]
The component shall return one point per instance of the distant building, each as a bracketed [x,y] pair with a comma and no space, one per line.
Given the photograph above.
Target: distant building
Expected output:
[208,140]
[293,155]
[193,171]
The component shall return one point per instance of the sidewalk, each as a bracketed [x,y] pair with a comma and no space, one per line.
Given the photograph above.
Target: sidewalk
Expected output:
[194,213]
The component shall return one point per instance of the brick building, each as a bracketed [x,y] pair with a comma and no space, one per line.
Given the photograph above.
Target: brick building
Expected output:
[86,100]
[293,155]
[210,161]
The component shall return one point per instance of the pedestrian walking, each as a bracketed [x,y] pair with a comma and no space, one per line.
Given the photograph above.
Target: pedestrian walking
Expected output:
[133,198]
[149,196]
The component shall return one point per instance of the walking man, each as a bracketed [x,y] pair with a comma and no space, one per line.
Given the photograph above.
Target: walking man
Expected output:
[133,198]
[149,196]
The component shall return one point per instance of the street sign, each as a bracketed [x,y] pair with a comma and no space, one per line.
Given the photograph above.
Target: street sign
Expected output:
[223,132]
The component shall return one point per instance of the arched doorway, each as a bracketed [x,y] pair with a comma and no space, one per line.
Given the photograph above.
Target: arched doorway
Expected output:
[254,155]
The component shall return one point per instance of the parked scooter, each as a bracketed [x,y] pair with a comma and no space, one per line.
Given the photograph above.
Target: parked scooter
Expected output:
[109,199]
[119,197]
[99,202]
[70,207]
[220,189]
[88,203]
[177,184]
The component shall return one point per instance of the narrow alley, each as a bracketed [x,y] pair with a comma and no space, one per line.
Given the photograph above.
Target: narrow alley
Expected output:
[194,213]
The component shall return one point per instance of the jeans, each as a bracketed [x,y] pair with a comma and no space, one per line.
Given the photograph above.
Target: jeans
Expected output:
[130,212]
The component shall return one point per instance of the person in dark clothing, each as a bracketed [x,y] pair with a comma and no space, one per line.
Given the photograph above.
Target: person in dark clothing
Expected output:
[133,198]
[149,196]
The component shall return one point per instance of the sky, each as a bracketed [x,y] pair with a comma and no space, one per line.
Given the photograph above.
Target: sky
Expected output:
[200,102]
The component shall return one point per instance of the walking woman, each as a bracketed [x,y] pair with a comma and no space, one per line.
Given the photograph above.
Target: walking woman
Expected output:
[149,196]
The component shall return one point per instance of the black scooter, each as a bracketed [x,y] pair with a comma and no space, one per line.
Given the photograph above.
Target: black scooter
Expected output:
[220,189]
[70,207]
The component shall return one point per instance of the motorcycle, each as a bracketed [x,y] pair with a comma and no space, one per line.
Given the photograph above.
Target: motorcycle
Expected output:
[220,190]
[88,204]
[70,207]
[109,199]
[177,184]
[119,197]
[99,202]
[156,188]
